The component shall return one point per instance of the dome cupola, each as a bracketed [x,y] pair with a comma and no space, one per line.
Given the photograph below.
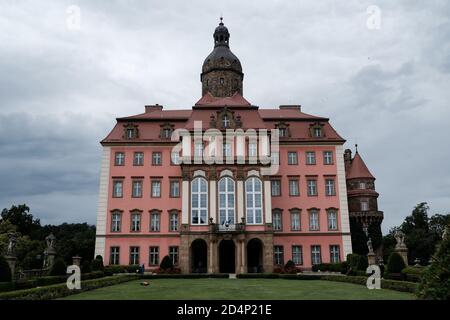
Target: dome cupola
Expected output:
[222,71]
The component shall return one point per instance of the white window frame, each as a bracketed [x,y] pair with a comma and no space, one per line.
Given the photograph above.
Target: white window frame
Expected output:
[274,188]
[196,212]
[277,220]
[332,220]
[156,189]
[314,220]
[297,254]
[134,255]
[328,157]
[173,222]
[116,221]
[294,186]
[114,255]
[137,189]
[296,226]
[153,256]
[278,252]
[117,191]
[156,158]
[310,157]
[330,187]
[174,183]
[230,211]
[253,206]
[364,205]
[335,256]
[174,253]
[252,149]
[135,221]
[312,187]
[138,159]
[155,221]
[292,158]
[316,254]
[119,159]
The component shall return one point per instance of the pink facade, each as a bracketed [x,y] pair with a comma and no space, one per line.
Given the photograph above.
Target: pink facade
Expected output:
[240,219]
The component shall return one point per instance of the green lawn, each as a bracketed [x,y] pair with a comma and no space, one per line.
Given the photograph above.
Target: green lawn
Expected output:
[223,289]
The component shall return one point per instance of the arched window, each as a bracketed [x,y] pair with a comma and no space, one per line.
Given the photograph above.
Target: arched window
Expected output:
[226,201]
[199,201]
[253,194]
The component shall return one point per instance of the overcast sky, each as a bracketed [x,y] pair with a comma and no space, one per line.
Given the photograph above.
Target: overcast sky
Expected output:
[385,87]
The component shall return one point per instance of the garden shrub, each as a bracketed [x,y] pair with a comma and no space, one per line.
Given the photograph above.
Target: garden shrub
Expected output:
[97,264]
[166,263]
[61,290]
[5,271]
[356,262]
[86,267]
[394,267]
[403,286]
[435,283]
[59,268]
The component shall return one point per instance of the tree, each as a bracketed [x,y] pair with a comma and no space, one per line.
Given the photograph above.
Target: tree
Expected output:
[435,283]
[21,217]
[5,271]
[395,263]
[59,268]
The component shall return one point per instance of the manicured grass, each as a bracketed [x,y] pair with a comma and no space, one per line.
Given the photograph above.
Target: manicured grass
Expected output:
[223,289]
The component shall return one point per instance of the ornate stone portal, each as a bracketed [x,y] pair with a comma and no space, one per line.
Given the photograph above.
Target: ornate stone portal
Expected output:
[222,248]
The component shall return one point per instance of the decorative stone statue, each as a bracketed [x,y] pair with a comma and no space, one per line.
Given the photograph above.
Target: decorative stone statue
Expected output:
[445,234]
[369,245]
[51,240]
[11,251]
[400,238]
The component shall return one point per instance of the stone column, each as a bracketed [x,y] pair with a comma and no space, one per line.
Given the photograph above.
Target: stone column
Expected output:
[12,265]
[212,200]
[240,200]
[371,258]
[185,202]
[268,253]
[267,201]
[243,268]
[211,256]
[184,254]
[403,252]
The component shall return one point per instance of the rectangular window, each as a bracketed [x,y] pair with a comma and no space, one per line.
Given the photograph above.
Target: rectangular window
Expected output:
[137,189]
[293,187]
[114,256]
[362,185]
[297,254]
[328,157]
[134,255]
[310,157]
[138,159]
[173,224]
[277,223]
[316,256]
[174,189]
[116,218]
[332,220]
[364,205]
[226,149]
[153,256]
[335,257]
[282,132]
[295,220]
[175,158]
[276,188]
[119,159]
[252,149]
[312,187]
[198,149]
[292,158]
[167,133]
[278,255]
[156,189]
[157,158]
[117,189]
[155,222]
[330,189]
[135,222]
[173,255]
[314,220]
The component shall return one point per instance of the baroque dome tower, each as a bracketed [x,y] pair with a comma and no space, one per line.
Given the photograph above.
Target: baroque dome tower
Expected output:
[222,71]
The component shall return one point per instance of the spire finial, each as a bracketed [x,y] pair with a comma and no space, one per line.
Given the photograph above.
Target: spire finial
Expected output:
[356,147]
[221,19]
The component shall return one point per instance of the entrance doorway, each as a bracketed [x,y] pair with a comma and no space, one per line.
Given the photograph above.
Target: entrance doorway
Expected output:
[199,254]
[255,256]
[227,262]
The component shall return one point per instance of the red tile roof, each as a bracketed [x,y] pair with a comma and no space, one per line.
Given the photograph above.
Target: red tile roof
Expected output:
[358,169]
[236,100]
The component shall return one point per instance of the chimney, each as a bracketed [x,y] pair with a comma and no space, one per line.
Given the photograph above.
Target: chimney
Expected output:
[152,108]
[290,106]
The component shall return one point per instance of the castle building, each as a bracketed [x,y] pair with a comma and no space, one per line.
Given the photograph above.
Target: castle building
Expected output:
[165,190]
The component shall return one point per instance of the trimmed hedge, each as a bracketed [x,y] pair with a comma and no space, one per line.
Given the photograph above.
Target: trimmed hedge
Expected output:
[332,267]
[184,276]
[61,290]
[413,274]
[278,276]
[44,281]
[403,286]
[110,270]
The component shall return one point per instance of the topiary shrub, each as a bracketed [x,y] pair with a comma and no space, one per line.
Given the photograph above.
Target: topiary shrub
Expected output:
[435,283]
[5,271]
[166,263]
[395,264]
[59,268]
[86,267]
[97,264]
[355,263]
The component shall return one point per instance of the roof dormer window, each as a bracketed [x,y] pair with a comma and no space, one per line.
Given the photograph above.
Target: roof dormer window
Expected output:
[225,121]
[166,131]
[130,131]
